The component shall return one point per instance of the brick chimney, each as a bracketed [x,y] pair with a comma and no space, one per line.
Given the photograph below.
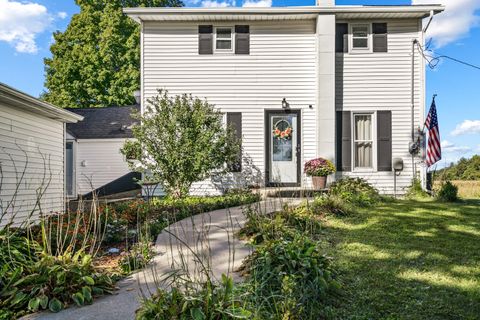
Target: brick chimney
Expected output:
[325,3]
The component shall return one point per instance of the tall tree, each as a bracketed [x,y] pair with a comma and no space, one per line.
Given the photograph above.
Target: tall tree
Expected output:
[96,61]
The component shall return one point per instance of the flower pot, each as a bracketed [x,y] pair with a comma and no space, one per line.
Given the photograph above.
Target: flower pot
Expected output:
[319,183]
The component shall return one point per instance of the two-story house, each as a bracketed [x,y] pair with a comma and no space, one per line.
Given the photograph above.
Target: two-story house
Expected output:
[346,82]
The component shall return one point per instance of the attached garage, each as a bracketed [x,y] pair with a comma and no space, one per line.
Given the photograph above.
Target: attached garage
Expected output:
[32,138]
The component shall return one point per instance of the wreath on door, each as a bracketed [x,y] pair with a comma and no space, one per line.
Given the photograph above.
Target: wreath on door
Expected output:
[282,130]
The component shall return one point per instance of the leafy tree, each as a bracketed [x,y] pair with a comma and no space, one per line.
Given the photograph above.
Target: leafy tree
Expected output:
[182,140]
[464,169]
[96,61]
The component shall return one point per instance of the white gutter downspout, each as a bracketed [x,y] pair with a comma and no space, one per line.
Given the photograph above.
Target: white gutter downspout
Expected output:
[429,21]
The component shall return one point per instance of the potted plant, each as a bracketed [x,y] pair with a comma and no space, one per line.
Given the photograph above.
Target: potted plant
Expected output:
[319,169]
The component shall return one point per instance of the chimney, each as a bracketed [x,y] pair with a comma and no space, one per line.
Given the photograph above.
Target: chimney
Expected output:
[325,3]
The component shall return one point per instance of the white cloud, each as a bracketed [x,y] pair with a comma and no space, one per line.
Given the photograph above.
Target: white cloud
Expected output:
[259,3]
[21,22]
[62,15]
[467,127]
[450,147]
[455,22]
[217,4]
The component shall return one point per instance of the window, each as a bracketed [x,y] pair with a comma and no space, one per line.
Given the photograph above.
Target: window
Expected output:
[360,36]
[363,141]
[223,39]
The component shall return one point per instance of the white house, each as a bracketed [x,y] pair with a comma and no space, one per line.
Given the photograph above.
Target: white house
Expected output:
[93,158]
[348,81]
[32,134]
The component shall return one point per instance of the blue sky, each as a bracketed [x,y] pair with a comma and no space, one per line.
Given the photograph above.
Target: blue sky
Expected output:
[26,29]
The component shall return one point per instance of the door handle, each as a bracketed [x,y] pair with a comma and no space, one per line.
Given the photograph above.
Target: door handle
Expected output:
[298,149]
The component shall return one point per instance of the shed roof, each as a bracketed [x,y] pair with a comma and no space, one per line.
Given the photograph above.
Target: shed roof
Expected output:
[103,122]
[142,14]
[21,100]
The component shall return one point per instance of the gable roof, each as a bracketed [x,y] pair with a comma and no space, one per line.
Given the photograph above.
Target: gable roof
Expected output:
[103,123]
[21,100]
[141,14]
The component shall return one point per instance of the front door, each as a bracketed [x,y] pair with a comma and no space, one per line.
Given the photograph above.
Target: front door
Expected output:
[283,148]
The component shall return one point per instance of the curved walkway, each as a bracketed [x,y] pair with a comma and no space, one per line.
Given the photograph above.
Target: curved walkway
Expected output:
[208,237]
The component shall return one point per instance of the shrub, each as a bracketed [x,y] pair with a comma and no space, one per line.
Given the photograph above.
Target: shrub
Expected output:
[290,279]
[416,190]
[355,191]
[448,192]
[330,204]
[204,301]
[319,167]
[183,140]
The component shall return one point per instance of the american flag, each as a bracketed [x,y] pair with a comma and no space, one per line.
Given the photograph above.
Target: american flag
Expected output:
[434,151]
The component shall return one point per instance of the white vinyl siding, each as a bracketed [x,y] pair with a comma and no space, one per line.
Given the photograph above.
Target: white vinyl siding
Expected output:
[281,64]
[98,162]
[34,145]
[382,81]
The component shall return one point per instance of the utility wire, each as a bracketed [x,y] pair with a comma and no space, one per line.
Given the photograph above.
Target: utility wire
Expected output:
[433,61]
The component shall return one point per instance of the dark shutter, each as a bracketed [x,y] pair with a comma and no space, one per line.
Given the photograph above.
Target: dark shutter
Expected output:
[205,39]
[234,120]
[341,37]
[380,38]
[344,141]
[242,39]
[384,141]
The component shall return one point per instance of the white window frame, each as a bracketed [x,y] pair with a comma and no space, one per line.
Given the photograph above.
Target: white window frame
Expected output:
[373,168]
[369,48]
[232,37]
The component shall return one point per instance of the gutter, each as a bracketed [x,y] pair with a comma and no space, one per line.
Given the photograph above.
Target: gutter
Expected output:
[429,21]
[426,10]
[19,99]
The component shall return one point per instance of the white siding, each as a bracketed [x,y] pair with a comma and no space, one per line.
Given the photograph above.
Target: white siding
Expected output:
[98,163]
[281,63]
[31,160]
[382,81]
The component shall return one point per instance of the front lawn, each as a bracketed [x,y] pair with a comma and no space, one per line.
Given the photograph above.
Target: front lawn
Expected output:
[407,260]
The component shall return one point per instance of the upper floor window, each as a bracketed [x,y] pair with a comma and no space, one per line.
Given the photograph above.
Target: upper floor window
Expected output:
[223,39]
[361,37]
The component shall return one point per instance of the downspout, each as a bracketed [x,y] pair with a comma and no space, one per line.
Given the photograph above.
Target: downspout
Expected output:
[414,42]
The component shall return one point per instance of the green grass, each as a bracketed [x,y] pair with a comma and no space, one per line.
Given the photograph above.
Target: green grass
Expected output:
[408,260]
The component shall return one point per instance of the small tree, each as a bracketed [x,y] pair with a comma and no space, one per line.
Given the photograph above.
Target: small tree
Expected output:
[183,140]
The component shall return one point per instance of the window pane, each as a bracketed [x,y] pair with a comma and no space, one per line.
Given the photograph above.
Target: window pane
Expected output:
[224,44]
[224,33]
[360,31]
[363,127]
[363,154]
[360,43]
[282,146]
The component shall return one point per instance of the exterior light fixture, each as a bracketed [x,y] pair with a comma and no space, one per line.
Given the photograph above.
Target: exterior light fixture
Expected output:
[285,104]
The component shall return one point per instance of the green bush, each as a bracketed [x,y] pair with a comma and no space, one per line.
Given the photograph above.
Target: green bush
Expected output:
[448,192]
[355,191]
[331,204]
[416,191]
[31,280]
[290,279]
[204,301]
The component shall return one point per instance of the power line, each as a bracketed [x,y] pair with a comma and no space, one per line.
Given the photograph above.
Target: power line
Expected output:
[433,61]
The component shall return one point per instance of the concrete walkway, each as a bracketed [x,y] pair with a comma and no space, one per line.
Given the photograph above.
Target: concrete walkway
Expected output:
[207,238]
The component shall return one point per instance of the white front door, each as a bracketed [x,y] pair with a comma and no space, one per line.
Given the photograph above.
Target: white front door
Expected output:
[283,146]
